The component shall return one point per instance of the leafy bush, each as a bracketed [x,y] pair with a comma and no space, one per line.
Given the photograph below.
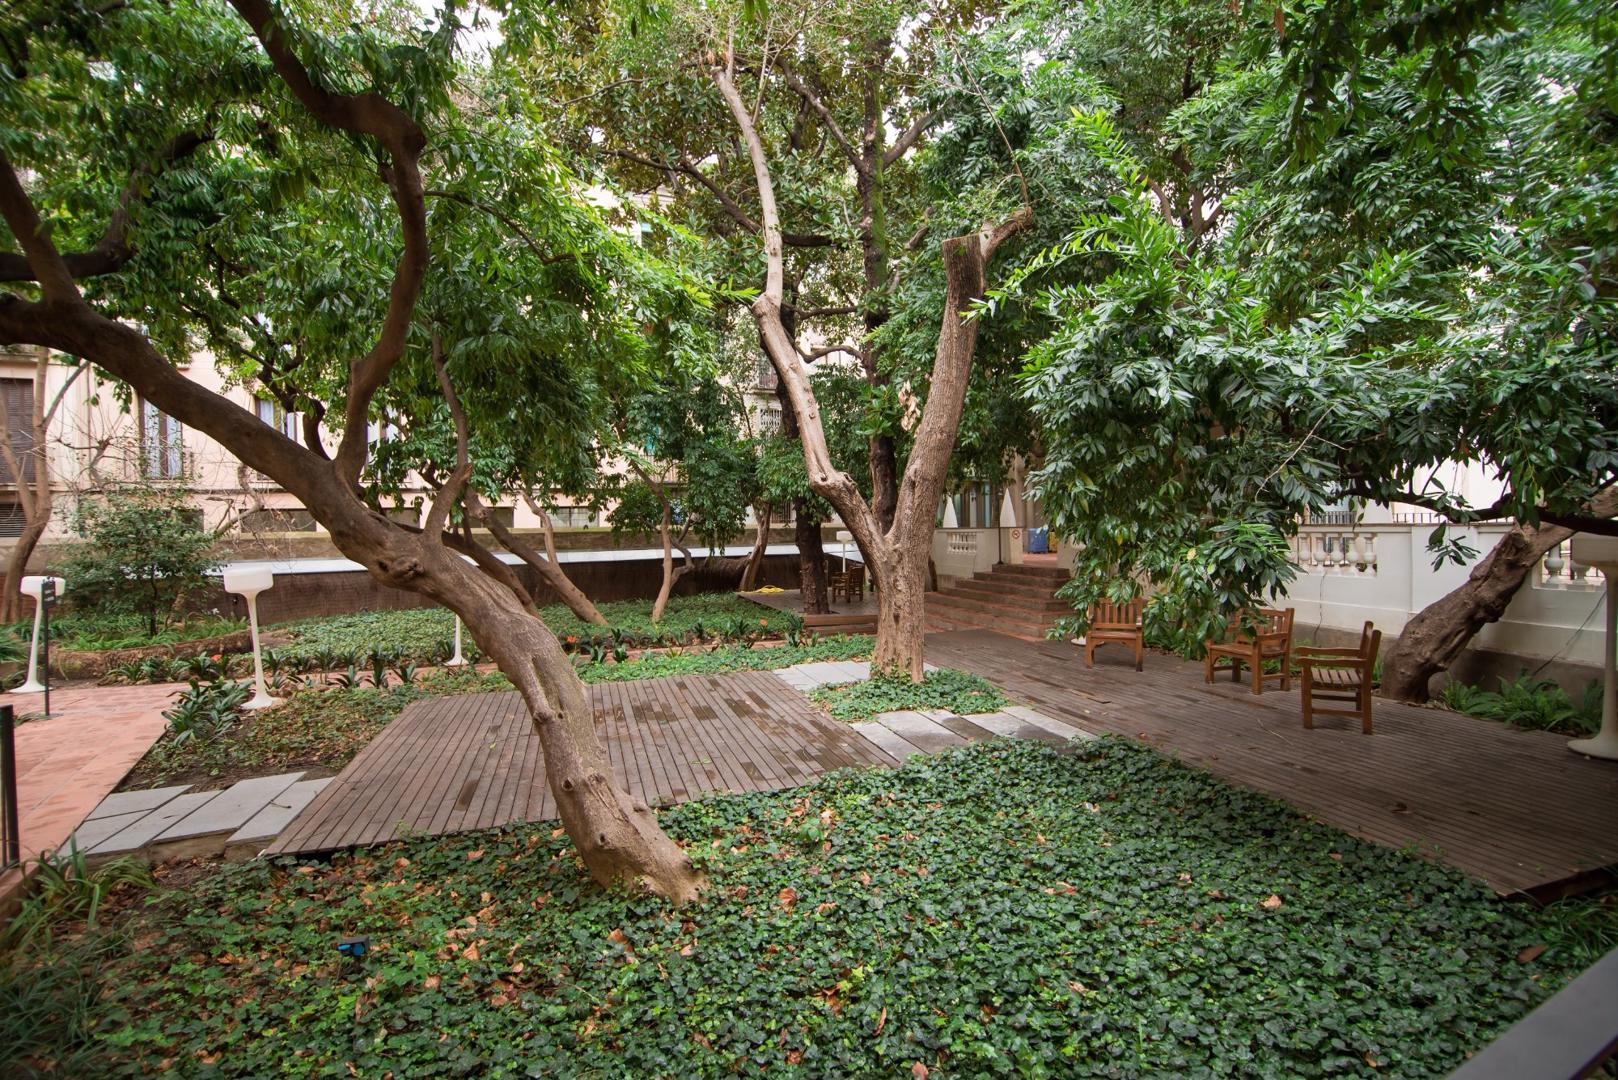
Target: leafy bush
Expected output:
[63,889]
[1526,702]
[205,711]
[960,692]
[143,554]
[997,910]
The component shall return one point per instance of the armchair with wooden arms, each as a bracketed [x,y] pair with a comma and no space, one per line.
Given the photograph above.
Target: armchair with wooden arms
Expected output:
[1120,623]
[1340,675]
[1257,636]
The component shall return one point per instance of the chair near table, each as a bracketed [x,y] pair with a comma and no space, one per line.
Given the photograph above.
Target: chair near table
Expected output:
[1255,636]
[848,584]
[1340,675]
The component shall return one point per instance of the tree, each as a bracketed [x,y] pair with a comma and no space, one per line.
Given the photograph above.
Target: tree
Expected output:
[142,553]
[1371,309]
[276,232]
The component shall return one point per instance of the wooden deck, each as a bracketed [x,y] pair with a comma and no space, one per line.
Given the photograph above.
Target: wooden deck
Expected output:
[1514,808]
[473,761]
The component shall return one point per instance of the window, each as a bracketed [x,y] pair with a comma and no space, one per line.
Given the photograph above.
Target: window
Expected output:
[12,520]
[161,443]
[17,398]
[573,517]
[271,412]
[504,515]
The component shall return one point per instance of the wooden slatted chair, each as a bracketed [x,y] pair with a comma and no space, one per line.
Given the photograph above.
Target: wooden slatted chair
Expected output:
[848,585]
[1266,635]
[1120,623]
[1340,675]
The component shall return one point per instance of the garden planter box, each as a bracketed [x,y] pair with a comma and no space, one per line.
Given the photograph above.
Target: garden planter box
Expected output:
[89,664]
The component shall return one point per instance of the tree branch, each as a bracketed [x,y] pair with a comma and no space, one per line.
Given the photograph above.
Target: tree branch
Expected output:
[907,138]
[508,221]
[812,99]
[369,114]
[112,251]
[455,483]
[686,167]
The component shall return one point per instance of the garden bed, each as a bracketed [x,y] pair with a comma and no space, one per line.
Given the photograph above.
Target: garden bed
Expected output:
[998,910]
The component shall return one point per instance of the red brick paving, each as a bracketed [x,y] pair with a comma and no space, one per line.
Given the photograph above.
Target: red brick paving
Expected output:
[67,764]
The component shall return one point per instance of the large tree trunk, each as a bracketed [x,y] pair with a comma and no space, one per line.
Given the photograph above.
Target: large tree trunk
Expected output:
[811,560]
[895,555]
[617,836]
[1436,635]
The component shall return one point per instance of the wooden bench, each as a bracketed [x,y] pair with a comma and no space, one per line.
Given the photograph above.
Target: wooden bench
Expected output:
[840,624]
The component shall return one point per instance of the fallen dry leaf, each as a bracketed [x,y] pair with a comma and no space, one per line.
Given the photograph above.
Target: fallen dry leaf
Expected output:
[919,1071]
[1271,902]
[881,1021]
[1530,953]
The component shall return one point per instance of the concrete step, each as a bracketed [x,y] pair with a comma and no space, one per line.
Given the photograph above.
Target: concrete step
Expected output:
[1041,574]
[1002,587]
[989,614]
[173,823]
[998,601]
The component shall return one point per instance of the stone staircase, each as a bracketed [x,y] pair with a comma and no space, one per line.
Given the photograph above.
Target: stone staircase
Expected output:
[1016,600]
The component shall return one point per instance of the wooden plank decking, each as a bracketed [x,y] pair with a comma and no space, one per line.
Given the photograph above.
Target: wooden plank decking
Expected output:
[473,761]
[1514,808]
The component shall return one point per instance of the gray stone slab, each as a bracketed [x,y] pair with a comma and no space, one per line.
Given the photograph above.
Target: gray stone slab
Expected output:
[147,828]
[896,747]
[1049,723]
[964,728]
[278,813]
[95,830]
[914,728]
[231,809]
[129,802]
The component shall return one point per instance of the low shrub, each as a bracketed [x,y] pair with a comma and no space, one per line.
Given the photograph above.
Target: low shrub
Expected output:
[959,692]
[1527,702]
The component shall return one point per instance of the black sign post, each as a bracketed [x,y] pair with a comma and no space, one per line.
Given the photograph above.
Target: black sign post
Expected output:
[47,600]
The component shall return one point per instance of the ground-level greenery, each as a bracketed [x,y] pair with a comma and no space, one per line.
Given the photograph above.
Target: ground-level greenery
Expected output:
[1003,909]
[959,692]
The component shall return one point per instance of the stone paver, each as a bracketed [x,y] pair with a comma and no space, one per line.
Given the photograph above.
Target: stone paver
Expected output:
[278,813]
[927,735]
[230,809]
[905,732]
[144,831]
[885,739]
[131,802]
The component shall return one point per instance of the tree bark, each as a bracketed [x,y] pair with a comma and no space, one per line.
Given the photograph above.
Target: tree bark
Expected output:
[811,560]
[11,606]
[895,555]
[1433,639]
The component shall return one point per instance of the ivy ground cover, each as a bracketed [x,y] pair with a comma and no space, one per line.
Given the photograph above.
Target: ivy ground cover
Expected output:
[999,910]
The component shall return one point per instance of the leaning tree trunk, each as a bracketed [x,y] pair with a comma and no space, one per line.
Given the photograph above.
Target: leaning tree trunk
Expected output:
[1435,636]
[617,835]
[755,559]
